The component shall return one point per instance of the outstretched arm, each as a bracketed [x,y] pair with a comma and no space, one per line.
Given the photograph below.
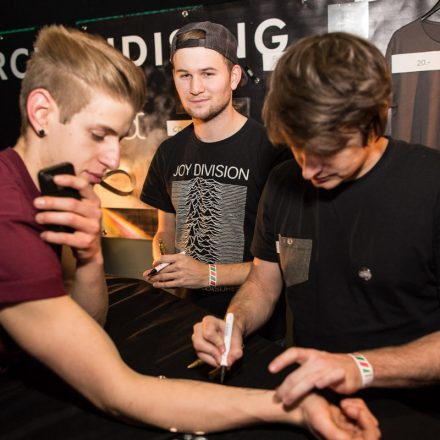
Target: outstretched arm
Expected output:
[60,334]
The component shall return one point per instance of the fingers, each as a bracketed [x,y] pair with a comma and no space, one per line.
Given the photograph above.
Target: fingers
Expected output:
[83,216]
[304,379]
[236,349]
[180,271]
[81,185]
[155,275]
[298,383]
[78,183]
[169,258]
[207,339]
[318,369]
[292,389]
[357,410]
[79,240]
[369,427]
[288,357]
[167,278]
[146,275]
[351,421]
[356,420]
[325,420]
[87,221]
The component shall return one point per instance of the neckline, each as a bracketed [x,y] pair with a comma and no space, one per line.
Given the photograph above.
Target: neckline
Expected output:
[377,168]
[425,26]
[222,141]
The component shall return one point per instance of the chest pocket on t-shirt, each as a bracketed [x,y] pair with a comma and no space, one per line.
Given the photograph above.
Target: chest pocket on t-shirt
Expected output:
[295,254]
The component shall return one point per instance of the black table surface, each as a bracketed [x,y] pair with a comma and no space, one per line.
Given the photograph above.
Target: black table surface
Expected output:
[152,330]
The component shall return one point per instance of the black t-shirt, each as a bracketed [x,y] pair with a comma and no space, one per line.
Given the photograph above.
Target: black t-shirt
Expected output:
[214,189]
[360,262]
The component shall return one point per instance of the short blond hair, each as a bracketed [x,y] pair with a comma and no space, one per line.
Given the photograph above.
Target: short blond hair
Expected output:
[69,63]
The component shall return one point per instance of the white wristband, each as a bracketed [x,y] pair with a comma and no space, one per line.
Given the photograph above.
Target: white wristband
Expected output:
[365,368]
[212,280]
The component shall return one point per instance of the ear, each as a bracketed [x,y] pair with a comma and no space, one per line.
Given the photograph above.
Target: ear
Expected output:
[236,73]
[38,107]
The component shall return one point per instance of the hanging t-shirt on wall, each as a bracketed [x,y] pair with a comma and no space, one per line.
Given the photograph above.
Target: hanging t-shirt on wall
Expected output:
[414,56]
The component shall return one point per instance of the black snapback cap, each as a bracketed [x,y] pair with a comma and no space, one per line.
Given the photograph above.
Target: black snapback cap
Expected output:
[217,38]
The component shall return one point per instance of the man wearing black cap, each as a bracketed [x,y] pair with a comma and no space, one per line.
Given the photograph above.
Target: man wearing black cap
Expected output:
[206,181]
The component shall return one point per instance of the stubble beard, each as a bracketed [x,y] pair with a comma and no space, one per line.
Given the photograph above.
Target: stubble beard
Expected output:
[210,114]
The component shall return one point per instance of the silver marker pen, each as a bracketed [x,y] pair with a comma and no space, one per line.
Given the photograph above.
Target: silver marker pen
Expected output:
[227,340]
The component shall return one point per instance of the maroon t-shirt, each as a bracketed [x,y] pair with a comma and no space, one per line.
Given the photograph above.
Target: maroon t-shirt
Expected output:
[30,268]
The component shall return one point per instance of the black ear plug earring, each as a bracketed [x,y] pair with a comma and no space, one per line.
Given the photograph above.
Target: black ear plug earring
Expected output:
[41,133]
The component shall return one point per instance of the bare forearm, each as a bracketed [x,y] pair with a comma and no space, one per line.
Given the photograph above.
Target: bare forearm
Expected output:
[91,364]
[233,274]
[253,304]
[182,405]
[250,308]
[409,365]
[90,289]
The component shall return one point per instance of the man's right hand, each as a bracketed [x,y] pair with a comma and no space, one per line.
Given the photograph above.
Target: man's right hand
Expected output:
[83,216]
[208,341]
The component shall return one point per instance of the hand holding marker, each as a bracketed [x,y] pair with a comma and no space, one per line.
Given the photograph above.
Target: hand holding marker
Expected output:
[161,266]
[224,360]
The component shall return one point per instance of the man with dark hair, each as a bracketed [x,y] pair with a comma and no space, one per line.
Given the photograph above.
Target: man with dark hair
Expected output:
[206,181]
[351,227]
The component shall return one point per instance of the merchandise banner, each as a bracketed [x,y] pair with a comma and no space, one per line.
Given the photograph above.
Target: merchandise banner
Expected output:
[263,29]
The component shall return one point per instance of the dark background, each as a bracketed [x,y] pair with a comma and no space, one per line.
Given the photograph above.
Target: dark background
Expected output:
[32,15]
[38,13]
[304,17]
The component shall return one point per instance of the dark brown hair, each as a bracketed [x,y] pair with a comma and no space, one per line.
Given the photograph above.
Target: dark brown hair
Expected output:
[324,90]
